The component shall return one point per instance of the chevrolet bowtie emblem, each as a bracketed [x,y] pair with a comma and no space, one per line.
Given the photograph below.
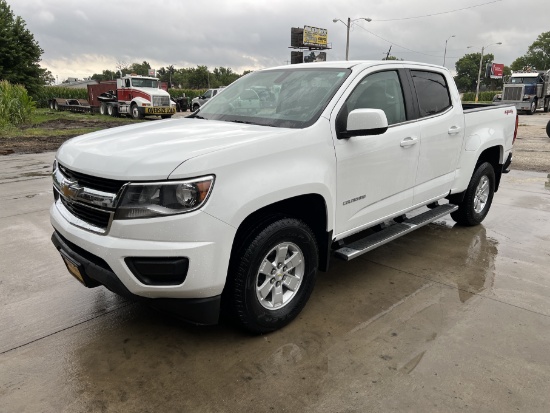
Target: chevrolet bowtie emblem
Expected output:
[70,189]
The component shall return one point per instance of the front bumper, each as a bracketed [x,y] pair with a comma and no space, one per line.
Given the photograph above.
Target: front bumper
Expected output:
[97,272]
[200,238]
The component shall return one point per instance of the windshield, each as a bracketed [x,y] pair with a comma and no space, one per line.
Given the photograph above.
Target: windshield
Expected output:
[288,98]
[137,82]
[523,80]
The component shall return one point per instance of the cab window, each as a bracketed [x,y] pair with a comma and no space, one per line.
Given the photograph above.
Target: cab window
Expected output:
[432,92]
[381,90]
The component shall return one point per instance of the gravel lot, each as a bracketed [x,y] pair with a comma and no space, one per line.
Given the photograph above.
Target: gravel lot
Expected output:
[532,147]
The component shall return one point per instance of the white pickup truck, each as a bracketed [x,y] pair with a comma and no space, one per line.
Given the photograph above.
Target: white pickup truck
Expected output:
[234,208]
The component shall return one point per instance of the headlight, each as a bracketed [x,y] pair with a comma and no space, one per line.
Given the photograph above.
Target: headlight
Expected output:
[164,198]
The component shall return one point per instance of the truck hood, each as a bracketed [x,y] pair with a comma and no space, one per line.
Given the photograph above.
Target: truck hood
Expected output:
[152,150]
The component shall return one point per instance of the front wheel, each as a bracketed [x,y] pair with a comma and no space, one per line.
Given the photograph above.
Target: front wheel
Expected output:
[548,129]
[272,275]
[547,105]
[195,107]
[136,114]
[532,108]
[478,198]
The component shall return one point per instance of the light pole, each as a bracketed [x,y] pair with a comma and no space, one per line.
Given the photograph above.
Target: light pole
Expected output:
[480,64]
[445,54]
[348,25]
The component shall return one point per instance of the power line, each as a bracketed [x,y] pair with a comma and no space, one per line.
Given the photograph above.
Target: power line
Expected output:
[438,14]
[395,44]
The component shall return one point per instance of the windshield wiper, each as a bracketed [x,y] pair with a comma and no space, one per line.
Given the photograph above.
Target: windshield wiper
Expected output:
[242,121]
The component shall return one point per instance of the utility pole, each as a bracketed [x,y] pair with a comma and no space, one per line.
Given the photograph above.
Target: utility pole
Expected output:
[388,54]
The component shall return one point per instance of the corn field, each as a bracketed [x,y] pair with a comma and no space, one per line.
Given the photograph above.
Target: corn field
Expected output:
[16,106]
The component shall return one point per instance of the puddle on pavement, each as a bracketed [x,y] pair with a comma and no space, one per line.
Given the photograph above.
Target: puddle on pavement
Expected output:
[368,319]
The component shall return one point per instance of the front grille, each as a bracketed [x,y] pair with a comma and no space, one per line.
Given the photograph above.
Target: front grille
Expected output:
[512,93]
[93,182]
[161,101]
[92,216]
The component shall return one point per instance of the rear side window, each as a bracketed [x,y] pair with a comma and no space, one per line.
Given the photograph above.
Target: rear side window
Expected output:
[432,91]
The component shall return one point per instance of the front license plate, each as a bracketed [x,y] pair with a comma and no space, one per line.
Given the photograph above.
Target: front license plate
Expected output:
[160,110]
[73,267]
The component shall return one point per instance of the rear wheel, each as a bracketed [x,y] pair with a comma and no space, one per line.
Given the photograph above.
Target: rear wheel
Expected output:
[478,198]
[102,108]
[56,105]
[195,107]
[547,105]
[112,110]
[272,275]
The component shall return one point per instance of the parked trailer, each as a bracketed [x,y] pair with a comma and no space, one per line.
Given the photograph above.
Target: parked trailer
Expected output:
[72,105]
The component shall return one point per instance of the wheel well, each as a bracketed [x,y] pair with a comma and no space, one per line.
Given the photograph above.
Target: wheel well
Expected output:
[492,155]
[309,208]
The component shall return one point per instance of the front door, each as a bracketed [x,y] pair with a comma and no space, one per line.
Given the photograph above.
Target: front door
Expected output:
[375,174]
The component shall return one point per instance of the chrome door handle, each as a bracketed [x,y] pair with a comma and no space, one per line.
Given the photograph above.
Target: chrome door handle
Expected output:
[453,130]
[405,143]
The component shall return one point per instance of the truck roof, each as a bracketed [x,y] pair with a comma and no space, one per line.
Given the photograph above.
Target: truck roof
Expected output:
[348,64]
[529,74]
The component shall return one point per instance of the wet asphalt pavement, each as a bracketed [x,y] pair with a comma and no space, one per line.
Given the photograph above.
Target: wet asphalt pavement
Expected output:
[443,319]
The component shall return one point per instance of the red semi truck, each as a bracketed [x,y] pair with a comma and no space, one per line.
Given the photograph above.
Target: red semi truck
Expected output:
[132,95]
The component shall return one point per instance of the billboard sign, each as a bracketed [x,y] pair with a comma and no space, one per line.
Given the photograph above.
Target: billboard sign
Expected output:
[497,70]
[296,57]
[152,72]
[314,36]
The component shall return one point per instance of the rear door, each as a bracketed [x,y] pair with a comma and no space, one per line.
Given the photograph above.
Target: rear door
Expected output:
[441,134]
[376,173]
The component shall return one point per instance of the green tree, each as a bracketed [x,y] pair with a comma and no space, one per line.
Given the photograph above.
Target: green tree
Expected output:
[19,52]
[140,69]
[467,69]
[105,75]
[537,56]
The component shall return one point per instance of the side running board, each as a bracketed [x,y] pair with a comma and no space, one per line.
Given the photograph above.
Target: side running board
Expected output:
[392,232]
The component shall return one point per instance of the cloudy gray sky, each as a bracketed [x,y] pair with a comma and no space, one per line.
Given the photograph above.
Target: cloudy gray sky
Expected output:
[81,38]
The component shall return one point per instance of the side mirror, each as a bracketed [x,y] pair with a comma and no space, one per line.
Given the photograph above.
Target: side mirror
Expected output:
[363,122]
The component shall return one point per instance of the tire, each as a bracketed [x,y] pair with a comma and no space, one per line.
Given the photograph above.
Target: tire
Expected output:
[52,107]
[478,197]
[547,105]
[548,129]
[55,105]
[112,111]
[532,108]
[165,116]
[102,108]
[196,107]
[263,294]
[136,114]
